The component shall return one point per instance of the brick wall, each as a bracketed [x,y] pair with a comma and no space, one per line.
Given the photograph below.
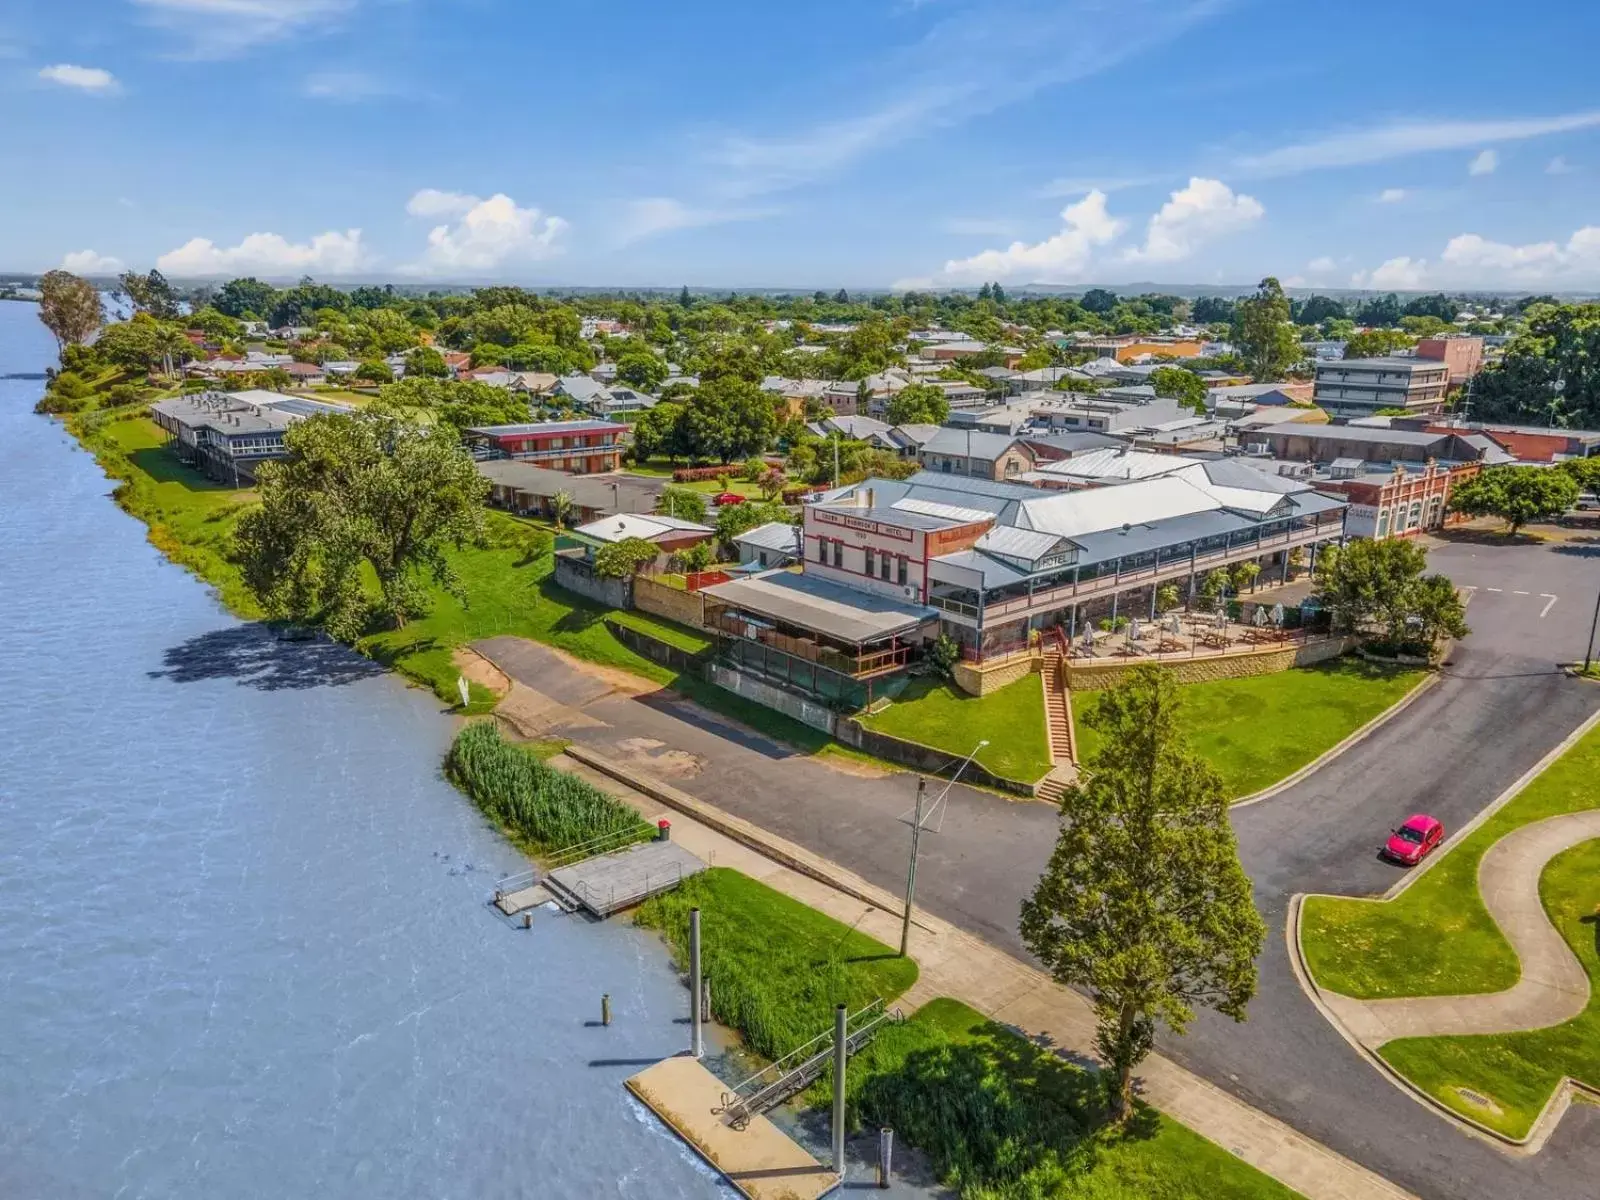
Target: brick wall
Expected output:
[576,575]
[663,600]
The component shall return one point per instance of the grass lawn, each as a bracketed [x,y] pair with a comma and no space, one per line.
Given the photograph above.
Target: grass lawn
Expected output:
[507,583]
[777,968]
[1519,1071]
[939,714]
[1259,729]
[1436,938]
[1001,1118]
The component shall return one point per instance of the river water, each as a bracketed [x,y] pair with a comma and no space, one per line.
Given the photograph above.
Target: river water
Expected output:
[244,949]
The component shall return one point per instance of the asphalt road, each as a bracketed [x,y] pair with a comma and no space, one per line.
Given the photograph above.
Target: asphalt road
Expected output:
[1500,705]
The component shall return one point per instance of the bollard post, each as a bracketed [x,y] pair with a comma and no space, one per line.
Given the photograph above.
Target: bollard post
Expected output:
[605,1009]
[841,1053]
[696,1012]
[885,1156]
[705,998]
[527,920]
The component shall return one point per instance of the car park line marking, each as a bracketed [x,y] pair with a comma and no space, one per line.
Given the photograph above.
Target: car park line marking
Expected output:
[1519,593]
[1494,589]
[1467,593]
[1550,602]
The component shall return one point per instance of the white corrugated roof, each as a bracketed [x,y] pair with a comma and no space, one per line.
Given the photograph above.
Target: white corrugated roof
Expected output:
[1110,464]
[932,508]
[1019,543]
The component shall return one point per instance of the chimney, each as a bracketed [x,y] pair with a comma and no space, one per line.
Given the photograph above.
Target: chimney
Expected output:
[869,498]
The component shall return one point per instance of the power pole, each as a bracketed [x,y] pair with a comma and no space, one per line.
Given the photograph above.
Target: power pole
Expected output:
[1588,652]
[696,1017]
[911,872]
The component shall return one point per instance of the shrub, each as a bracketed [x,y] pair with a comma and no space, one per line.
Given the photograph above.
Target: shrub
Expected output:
[943,655]
[753,469]
[699,474]
[621,560]
[544,807]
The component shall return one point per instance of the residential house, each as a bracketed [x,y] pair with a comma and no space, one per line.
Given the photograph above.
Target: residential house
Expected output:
[775,544]
[305,374]
[529,490]
[976,453]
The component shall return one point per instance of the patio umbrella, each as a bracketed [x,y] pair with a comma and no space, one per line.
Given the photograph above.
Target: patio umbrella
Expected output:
[1088,637]
[1277,615]
[1133,630]
[1260,617]
[1175,624]
[1222,617]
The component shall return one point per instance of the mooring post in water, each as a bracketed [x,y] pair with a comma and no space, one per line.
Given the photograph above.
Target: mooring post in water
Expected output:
[841,1053]
[605,1009]
[885,1156]
[696,1013]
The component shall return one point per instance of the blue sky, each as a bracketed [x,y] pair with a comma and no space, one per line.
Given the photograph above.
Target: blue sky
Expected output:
[874,142]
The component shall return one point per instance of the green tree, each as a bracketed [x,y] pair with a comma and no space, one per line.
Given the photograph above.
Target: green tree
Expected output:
[562,506]
[684,503]
[1099,300]
[734,519]
[1167,597]
[1244,575]
[69,307]
[427,363]
[1319,309]
[1375,343]
[1264,334]
[150,294]
[622,560]
[359,492]
[1144,903]
[1381,582]
[1434,610]
[642,370]
[1517,495]
[135,345]
[1183,386]
[240,296]
[727,420]
[374,371]
[918,404]
[655,433]
[1212,310]
[1550,374]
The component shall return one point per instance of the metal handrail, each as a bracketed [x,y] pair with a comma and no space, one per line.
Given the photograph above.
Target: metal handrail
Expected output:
[515,883]
[590,893]
[605,843]
[779,1080]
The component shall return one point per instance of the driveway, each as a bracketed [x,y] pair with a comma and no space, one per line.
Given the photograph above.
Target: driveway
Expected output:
[1499,707]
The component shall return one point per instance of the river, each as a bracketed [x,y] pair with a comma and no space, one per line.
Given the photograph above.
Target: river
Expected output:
[244,949]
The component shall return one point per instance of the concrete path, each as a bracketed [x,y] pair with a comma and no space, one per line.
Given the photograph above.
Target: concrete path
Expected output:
[955,963]
[1554,987]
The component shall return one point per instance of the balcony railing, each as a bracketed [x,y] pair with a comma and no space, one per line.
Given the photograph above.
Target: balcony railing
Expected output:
[865,665]
[1122,580]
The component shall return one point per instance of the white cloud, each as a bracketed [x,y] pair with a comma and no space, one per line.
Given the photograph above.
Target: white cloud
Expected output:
[1483,163]
[1470,260]
[654,215]
[1201,212]
[88,262]
[269,254]
[1061,258]
[1321,265]
[1077,185]
[348,86]
[1402,274]
[1400,139]
[96,80]
[1558,166]
[483,235]
[220,28]
[1392,195]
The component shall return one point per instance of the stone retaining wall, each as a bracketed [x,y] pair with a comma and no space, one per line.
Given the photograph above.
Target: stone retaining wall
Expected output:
[927,759]
[808,712]
[977,679]
[663,600]
[1106,673]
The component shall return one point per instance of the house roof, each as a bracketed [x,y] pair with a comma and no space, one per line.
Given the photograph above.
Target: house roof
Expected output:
[812,602]
[963,443]
[651,528]
[600,493]
[774,535]
[1108,465]
[552,428]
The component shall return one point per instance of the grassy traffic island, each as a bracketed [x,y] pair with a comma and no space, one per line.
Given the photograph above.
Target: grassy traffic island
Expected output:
[997,1116]
[1437,939]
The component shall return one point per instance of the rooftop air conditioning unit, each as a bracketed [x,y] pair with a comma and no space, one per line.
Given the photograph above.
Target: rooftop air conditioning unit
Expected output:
[1258,449]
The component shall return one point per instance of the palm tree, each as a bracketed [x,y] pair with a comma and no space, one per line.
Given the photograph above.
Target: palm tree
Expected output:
[562,507]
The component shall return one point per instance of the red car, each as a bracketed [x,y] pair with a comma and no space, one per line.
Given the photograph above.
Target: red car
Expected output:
[1414,840]
[727,498]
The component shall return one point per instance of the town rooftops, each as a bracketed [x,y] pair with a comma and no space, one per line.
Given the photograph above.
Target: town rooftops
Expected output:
[973,443]
[614,493]
[1119,465]
[1384,363]
[812,602]
[774,535]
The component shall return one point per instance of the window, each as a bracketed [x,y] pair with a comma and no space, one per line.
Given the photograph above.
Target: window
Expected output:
[822,550]
[868,553]
[902,572]
[883,567]
[838,554]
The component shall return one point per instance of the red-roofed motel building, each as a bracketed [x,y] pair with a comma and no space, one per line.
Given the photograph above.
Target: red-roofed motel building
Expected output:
[581,447]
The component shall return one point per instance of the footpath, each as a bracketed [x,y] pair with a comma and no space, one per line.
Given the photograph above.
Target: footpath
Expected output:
[956,964]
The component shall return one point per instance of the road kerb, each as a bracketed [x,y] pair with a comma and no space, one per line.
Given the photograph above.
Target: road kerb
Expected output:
[1352,740]
[991,980]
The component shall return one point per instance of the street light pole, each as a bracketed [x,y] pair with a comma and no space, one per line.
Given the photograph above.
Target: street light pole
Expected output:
[1588,652]
[911,871]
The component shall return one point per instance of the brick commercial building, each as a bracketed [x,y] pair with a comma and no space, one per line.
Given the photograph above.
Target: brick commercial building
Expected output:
[1463,355]
[1399,501]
